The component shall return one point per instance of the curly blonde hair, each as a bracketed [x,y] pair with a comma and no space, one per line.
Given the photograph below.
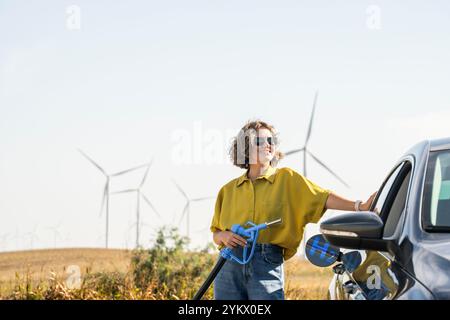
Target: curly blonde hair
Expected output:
[240,147]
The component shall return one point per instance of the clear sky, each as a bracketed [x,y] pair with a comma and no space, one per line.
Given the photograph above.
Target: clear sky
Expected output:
[127,81]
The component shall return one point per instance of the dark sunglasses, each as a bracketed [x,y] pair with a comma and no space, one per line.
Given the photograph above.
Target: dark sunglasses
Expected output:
[259,141]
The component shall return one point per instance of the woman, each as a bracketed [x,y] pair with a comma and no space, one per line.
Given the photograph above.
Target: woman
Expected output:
[262,194]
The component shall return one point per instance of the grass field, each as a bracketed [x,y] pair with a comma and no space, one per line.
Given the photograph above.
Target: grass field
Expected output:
[303,280]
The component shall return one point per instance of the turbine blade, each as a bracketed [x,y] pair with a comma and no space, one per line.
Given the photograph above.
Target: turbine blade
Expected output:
[203,198]
[93,162]
[123,191]
[308,135]
[181,190]
[146,174]
[328,169]
[129,170]
[151,205]
[293,151]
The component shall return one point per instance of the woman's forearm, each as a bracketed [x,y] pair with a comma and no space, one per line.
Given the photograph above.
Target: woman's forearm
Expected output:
[339,203]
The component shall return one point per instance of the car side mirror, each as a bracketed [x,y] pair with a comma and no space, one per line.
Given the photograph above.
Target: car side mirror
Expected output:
[355,230]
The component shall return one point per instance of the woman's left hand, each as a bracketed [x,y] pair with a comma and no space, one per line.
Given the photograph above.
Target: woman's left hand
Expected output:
[365,206]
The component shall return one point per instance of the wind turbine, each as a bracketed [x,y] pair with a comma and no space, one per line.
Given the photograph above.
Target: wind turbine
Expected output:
[139,195]
[105,198]
[56,233]
[33,237]
[306,151]
[186,209]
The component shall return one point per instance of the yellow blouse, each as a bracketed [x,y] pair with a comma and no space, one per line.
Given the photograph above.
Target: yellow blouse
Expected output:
[279,193]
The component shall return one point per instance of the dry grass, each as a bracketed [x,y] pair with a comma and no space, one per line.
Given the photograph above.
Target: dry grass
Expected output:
[40,265]
[44,261]
[303,280]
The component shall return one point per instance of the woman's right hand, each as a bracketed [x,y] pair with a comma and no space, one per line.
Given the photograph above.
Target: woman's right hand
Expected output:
[230,239]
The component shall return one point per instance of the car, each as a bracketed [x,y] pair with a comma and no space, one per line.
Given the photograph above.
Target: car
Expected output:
[400,248]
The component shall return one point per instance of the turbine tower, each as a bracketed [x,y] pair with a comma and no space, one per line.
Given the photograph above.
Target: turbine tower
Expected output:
[186,209]
[106,193]
[306,151]
[139,195]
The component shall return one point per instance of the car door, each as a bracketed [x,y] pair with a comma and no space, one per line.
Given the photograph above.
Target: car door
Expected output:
[377,276]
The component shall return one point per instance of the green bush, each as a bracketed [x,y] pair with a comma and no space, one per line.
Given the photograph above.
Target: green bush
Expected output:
[167,270]
[177,271]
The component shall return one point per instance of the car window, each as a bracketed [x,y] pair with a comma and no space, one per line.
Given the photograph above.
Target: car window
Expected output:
[398,203]
[436,197]
[384,190]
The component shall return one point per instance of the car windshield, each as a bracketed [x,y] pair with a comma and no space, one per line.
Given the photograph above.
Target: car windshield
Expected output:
[436,205]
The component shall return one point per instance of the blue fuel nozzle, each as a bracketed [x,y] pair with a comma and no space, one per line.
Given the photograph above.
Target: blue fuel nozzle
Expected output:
[251,234]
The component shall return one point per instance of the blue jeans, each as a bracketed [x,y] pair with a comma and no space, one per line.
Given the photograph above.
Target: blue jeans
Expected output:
[260,279]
